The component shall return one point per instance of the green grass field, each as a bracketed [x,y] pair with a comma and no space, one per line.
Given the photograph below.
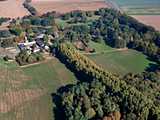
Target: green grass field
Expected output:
[64,23]
[120,62]
[26,92]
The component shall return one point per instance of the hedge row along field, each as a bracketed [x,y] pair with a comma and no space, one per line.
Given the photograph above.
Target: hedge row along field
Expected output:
[142,106]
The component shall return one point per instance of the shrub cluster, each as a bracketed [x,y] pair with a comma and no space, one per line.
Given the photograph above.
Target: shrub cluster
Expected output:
[23,58]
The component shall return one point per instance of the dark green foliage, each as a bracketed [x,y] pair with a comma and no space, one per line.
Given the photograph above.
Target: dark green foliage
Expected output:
[16,31]
[7,43]
[36,21]
[41,21]
[78,32]
[29,7]
[147,82]
[3,20]
[120,30]
[4,33]
[122,96]
[24,58]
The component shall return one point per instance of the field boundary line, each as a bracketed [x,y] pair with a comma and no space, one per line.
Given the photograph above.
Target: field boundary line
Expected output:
[107,51]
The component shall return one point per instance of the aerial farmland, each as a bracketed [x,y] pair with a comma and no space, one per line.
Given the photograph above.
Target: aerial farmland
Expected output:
[79,60]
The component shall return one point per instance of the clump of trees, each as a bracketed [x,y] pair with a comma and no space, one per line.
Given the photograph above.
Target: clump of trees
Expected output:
[115,29]
[77,32]
[4,33]
[16,30]
[23,58]
[118,95]
[120,30]
[3,20]
[29,7]
[77,16]
[7,42]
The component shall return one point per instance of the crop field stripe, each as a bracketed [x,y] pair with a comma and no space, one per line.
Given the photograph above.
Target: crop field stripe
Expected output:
[33,116]
[43,79]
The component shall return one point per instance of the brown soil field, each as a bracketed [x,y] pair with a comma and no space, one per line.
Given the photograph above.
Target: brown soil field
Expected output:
[11,99]
[12,9]
[13,95]
[64,6]
[152,20]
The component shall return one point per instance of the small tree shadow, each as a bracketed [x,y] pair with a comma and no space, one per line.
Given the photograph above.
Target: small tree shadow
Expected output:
[152,67]
[78,74]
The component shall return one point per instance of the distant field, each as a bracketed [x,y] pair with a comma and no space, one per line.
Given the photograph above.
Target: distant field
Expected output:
[137,3]
[120,62]
[152,20]
[12,9]
[146,11]
[63,6]
[142,10]
[26,92]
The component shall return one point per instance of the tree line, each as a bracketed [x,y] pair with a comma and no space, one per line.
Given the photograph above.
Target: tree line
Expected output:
[120,96]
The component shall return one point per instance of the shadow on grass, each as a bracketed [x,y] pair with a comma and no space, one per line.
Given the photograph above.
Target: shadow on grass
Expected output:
[152,67]
[80,75]
[56,98]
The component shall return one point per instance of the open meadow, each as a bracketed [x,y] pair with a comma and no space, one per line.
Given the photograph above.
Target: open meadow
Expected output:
[26,92]
[120,61]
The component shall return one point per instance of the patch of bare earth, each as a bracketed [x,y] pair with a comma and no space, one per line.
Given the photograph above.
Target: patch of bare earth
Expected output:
[152,20]
[12,9]
[64,6]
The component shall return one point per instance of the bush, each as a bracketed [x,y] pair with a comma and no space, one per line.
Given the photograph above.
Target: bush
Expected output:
[24,58]
[5,33]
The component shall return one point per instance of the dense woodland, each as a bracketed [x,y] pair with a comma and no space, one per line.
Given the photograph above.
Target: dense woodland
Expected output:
[100,94]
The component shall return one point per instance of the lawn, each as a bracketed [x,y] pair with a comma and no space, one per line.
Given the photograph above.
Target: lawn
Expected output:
[120,62]
[100,47]
[26,92]
[5,64]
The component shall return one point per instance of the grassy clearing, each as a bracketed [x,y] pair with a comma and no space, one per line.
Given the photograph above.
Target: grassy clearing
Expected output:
[30,90]
[5,64]
[120,62]
[51,75]
[100,47]
[64,23]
